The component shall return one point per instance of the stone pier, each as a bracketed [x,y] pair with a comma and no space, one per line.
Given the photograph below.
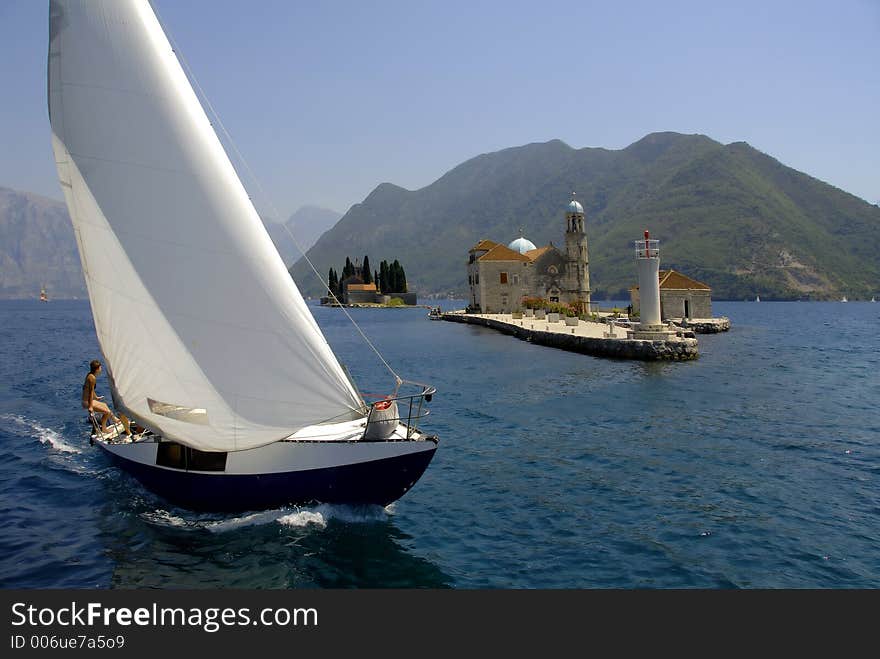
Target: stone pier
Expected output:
[704,325]
[589,338]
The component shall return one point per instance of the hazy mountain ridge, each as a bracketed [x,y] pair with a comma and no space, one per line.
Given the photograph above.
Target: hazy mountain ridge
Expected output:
[727,214]
[307,224]
[37,248]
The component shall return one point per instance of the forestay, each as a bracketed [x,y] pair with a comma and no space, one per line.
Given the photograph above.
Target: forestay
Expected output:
[206,335]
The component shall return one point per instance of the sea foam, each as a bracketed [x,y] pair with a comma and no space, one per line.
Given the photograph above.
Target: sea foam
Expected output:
[323,513]
[46,436]
[317,516]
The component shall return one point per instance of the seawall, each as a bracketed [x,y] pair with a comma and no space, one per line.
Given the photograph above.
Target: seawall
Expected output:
[675,349]
[707,325]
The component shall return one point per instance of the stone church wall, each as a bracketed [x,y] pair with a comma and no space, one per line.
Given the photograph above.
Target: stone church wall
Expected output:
[550,276]
[497,297]
[672,303]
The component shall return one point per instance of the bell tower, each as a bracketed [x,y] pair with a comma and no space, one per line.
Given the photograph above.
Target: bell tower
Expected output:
[577,257]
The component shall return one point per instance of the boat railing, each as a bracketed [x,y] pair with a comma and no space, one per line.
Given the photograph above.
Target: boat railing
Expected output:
[413,404]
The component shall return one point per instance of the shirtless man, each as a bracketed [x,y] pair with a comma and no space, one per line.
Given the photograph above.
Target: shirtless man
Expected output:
[92,402]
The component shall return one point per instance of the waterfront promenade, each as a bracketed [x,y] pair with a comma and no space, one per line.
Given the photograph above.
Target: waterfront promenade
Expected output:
[587,337]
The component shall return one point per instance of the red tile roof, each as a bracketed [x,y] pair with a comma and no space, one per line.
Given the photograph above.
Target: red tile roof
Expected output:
[675,281]
[503,253]
[535,254]
[484,244]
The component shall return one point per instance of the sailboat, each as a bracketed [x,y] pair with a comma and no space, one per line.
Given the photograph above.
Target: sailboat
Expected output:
[757,298]
[238,400]
[843,299]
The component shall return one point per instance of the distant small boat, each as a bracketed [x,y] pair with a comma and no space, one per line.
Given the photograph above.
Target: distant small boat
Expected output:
[757,298]
[873,300]
[435,314]
[43,296]
[843,299]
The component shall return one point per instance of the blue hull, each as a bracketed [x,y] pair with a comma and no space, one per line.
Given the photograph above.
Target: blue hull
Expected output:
[376,482]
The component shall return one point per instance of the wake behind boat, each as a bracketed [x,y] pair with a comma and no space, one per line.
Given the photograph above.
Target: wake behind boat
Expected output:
[209,345]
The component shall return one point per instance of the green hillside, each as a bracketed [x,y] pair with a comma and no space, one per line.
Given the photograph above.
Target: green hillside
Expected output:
[726,214]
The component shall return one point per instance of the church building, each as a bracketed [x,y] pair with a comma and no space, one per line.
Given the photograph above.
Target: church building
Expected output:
[500,276]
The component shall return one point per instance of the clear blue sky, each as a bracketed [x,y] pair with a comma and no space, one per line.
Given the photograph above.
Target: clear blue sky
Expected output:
[328,99]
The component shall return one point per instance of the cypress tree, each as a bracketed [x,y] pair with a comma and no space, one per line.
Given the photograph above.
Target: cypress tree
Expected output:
[397,276]
[368,274]
[331,282]
[376,279]
[385,277]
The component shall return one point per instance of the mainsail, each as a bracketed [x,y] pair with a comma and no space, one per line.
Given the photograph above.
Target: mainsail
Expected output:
[206,335]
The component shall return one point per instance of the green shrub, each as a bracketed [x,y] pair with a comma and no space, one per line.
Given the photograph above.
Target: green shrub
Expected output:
[395,302]
[534,303]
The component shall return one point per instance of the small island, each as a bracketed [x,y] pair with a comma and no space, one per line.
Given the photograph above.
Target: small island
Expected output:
[360,286]
[542,295]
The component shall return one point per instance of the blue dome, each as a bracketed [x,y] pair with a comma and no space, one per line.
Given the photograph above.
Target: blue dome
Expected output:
[522,245]
[575,207]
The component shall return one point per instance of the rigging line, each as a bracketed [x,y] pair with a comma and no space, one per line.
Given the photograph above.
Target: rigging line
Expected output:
[179,55]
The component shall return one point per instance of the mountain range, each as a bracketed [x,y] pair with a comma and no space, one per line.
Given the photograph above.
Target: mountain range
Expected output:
[37,247]
[306,225]
[728,215]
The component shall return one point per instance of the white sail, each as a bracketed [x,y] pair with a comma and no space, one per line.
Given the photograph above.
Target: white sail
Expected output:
[206,335]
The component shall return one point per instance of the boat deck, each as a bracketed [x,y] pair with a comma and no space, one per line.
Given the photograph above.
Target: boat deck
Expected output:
[346,431]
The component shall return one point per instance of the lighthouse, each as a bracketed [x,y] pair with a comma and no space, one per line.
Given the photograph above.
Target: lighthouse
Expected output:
[648,265]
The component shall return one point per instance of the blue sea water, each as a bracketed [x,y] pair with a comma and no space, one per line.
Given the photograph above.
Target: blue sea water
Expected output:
[757,465]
